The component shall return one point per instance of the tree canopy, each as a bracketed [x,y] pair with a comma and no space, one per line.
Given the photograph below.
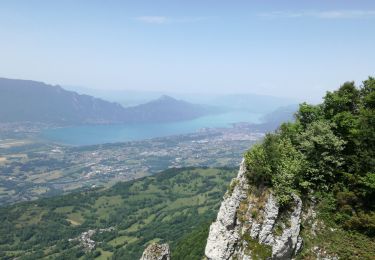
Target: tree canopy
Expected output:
[330,148]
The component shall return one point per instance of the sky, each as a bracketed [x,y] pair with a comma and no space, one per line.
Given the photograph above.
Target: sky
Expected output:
[296,49]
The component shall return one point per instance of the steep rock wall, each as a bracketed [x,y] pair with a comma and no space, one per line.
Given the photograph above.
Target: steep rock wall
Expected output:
[251,225]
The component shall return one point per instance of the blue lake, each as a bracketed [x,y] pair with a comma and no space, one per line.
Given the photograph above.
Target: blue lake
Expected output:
[98,134]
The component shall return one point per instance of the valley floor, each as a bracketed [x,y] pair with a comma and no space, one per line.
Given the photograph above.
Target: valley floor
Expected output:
[31,168]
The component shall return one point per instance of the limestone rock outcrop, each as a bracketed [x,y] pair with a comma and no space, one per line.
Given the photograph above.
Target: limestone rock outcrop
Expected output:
[156,252]
[251,225]
[224,233]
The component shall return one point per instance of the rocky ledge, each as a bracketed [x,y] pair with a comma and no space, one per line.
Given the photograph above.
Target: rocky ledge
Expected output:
[251,225]
[156,252]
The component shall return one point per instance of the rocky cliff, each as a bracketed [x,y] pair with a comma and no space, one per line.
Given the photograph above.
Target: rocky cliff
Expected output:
[156,252]
[251,225]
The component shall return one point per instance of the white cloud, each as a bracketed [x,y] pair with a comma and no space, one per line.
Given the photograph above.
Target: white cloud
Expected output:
[346,14]
[190,19]
[152,19]
[164,19]
[335,14]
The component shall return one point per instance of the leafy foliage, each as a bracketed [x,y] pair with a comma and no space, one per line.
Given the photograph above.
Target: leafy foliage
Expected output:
[330,148]
[278,163]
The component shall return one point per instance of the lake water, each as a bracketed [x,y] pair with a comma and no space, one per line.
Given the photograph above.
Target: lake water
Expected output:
[98,134]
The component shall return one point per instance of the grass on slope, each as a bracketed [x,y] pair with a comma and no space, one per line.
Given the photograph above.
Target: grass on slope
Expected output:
[330,238]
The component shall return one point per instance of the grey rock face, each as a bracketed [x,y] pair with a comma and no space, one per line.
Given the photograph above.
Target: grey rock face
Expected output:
[255,229]
[156,252]
[224,232]
[255,215]
[270,215]
[289,242]
[221,242]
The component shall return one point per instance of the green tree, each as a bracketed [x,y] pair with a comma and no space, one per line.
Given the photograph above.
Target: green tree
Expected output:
[259,170]
[289,168]
[322,149]
[308,114]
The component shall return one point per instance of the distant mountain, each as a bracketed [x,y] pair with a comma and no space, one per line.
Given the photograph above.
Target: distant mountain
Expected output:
[252,102]
[26,100]
[166,109]
[124,97]
[280,115]
[32,101]
[244,101]
[271,121]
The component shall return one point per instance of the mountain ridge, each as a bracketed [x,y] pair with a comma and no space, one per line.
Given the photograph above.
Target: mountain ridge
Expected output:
[33,101]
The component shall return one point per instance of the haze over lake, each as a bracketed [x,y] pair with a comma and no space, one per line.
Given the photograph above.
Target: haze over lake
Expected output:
[99,134]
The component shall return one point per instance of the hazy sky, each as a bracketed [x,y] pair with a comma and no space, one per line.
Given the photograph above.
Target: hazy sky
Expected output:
[284,48]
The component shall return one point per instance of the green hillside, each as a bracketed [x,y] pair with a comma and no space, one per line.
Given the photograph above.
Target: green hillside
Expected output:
[173,206]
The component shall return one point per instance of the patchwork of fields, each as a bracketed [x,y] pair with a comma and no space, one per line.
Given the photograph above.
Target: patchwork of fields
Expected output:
[174,206]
